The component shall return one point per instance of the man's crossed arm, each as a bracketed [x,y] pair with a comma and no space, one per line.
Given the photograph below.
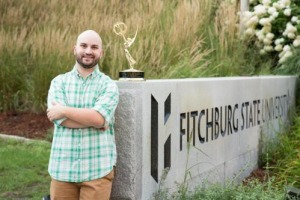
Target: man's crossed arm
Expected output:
[76,117]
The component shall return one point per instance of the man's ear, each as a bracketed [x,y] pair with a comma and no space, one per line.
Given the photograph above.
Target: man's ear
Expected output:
[102,53]
[74,50]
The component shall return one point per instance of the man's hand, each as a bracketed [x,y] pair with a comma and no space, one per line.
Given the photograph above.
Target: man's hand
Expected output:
[104,128]
[56,111]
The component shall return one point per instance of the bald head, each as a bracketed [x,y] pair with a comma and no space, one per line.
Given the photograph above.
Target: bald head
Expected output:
[90,36]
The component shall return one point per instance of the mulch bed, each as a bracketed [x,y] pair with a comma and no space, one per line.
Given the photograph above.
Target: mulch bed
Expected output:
[26,124]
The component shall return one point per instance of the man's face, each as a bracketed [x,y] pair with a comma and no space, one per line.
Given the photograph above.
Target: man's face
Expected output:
[88,50]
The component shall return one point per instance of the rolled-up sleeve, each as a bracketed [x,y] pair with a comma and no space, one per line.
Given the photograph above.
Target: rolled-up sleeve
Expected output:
[56,94]
[107,101]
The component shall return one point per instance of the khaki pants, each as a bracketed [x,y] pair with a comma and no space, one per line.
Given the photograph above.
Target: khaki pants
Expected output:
[98,189]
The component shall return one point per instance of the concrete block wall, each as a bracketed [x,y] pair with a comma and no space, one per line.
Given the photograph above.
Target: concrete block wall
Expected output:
[207,127]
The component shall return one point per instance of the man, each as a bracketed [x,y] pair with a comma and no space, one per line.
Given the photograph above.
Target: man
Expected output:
[81,104]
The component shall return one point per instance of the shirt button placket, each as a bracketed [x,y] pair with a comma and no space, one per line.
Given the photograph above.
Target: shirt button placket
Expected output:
[80,153]
[82,92]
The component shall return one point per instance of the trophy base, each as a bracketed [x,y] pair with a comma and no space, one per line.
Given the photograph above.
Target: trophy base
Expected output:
[131,75]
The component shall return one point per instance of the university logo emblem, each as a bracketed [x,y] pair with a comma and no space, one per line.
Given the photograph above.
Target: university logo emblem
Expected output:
[155,136]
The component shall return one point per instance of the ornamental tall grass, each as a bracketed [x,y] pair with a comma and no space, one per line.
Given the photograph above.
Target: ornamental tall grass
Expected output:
[176,39]
[283,153]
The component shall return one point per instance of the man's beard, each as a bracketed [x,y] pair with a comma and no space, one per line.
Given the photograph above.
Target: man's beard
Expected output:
[86,66]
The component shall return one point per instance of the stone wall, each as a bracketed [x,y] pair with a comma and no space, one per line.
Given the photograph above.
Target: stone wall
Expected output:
[195,130]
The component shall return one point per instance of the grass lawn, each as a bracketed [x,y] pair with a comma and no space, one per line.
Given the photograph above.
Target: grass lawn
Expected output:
[23,169]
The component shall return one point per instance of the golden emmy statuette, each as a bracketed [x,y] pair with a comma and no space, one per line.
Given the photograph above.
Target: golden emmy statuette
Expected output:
[131,74]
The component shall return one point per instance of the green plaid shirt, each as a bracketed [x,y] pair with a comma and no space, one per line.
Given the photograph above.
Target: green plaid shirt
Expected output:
[83,154]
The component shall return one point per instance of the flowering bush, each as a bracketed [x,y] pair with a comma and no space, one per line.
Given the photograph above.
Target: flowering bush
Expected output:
[274,25]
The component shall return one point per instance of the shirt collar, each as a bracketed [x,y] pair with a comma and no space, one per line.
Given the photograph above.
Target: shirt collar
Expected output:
[94,74]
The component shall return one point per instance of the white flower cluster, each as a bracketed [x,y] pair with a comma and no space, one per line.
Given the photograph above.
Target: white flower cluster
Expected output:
[261,21]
